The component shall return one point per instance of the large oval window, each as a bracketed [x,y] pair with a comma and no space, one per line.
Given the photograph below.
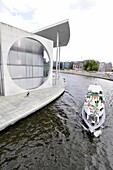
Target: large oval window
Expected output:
[28,63]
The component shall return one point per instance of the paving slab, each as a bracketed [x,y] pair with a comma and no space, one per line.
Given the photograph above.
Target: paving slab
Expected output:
[13,108]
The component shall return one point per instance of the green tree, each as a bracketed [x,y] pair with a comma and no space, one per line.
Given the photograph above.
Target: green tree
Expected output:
[91,65]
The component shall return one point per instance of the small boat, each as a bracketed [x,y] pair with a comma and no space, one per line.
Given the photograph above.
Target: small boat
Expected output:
[93,111]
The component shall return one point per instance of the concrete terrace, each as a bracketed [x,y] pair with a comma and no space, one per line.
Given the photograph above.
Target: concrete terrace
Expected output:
[16,107]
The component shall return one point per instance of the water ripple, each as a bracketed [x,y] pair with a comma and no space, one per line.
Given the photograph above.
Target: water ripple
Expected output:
[53,139]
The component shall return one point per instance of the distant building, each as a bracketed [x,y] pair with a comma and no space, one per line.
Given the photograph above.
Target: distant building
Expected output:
[61,65]
[66,65]
[78,66]
[102,66]
[105,67]
[108,67]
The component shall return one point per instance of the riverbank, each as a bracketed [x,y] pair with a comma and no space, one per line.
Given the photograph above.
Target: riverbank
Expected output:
[16,107]
[101,75]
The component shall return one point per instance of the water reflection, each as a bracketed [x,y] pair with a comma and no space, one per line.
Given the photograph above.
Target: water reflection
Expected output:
[53,138]
[37,135]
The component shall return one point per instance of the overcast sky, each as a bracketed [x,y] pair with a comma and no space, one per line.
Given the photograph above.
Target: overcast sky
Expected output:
[91,24]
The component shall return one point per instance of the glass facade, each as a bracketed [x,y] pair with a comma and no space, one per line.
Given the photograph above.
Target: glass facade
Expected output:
[28,63]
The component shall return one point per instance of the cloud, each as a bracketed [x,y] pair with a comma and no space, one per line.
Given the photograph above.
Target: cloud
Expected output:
[11,5]
[20,8]
[34,13]
[90,23]
[82,4]
[25,15]
[19,14]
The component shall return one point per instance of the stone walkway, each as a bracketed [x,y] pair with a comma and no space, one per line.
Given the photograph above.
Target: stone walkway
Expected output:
[16,107]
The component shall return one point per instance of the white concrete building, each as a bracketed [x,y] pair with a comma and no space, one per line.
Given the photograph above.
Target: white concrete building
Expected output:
[26,59]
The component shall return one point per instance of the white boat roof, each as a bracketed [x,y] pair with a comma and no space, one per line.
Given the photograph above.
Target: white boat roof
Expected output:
[95,88]
[50,32]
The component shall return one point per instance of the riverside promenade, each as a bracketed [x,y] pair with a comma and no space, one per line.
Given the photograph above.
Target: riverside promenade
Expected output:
[15,107]
[100,75]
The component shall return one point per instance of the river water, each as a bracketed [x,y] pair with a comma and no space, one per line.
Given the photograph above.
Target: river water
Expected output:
[53,139]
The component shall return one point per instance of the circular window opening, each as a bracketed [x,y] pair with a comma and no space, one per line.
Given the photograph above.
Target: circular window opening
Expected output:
[28,63]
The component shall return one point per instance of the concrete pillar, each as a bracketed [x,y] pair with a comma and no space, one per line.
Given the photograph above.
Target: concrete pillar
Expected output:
[57,56]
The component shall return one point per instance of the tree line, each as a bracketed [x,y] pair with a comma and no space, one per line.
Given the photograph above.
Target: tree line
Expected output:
[89,65]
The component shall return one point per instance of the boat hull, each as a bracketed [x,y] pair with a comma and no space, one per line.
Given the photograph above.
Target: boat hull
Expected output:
[92,128]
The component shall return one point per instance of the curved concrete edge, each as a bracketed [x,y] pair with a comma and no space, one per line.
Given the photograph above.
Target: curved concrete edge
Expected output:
[32,110]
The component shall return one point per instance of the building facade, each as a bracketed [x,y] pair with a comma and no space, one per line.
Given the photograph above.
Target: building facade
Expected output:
[25,61]
[78,65]
[102,66]
[105,67]
[108,67]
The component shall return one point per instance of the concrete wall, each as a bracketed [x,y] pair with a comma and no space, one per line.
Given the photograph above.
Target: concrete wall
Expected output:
[9,35]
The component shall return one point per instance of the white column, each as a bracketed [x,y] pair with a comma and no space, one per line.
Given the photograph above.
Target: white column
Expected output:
[59,62]
[57,54]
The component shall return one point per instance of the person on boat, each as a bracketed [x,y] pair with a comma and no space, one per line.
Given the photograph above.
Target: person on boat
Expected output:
[97,117]
[96,103]
[101,107]
[101,98]
[88,113]
[92,101]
